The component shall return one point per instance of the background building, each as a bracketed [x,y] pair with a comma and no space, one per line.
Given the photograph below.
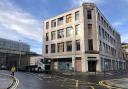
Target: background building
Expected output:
[13,53]
[125,51]
[82,39]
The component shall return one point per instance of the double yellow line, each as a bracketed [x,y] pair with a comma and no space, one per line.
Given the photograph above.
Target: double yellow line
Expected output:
[15,84]
[108,86]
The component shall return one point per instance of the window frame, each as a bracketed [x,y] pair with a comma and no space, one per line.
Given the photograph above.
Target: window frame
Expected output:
[77,15]
[53,50]
[58,33]
[69,31]
[69,46]
[68,18]
[77,45]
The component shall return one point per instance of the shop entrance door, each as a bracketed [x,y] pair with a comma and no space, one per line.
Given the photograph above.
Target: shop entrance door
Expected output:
[92,66]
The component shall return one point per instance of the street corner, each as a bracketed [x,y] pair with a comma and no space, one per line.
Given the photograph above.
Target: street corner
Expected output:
[5,81]
[114,84]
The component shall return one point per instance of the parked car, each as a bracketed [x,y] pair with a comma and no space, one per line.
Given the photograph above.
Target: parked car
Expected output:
[3,67]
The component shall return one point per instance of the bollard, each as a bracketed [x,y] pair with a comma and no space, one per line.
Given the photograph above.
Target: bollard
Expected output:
[77,83]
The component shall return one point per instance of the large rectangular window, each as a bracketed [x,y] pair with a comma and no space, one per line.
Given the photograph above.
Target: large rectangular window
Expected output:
[53,48]
[90,44]
[77,15]
[69,45]
[53,23]
[47,25]
[89,14]
[103,33]
[89,29]
[99,30]
[69,31]
[46,49]
[47,37]
[77,29]
[60,47]
[77,45]
[69,18]
[60,33]
[100,46]
[53,35]
[60,21]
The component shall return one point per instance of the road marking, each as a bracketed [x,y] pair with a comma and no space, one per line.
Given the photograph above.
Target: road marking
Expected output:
[14,79]
[108,86]
[16,83]
[92,87]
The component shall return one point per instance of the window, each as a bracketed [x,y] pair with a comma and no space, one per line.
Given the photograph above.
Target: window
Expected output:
[47,25]
[53,35]
[100,46]
[60,47]
[69,31]
[98,16]
[69,18]
[77,29]
[47,37]
[77,45]
[90,44]
[46,49]
[102,20]
[69,45]
[89,14]
[99,30]
[103,33]
[104,47]
[60,21]
[53,23]
[89,29]
[53,48]
[60,33]
[77,15]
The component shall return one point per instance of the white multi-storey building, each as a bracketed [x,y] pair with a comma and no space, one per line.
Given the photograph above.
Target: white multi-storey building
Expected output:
[82,39]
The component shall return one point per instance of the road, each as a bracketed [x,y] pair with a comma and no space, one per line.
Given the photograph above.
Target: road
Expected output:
[42,81]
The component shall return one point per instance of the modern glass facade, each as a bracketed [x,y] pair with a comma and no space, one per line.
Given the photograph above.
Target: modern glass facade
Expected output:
[13,45]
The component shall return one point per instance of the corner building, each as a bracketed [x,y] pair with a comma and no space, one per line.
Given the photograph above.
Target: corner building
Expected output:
[83,40]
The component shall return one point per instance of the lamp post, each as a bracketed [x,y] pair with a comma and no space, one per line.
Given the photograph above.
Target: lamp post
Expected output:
[105,65]
[19,54]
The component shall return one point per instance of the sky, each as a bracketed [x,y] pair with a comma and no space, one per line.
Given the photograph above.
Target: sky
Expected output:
[23,19]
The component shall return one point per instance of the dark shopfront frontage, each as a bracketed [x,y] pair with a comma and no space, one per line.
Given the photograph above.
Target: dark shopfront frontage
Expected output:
[8,60]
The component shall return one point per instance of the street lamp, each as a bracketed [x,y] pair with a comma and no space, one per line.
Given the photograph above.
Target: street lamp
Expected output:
[19,53]
[105,65]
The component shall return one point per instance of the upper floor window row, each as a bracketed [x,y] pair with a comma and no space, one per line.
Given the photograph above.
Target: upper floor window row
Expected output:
[106,24]
[60,21]
[61,33]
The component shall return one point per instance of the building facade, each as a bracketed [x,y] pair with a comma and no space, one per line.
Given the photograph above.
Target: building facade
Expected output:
[13,53]
[83,40]
[125,51]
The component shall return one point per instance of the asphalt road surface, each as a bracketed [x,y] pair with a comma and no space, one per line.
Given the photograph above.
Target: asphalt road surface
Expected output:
[44,81]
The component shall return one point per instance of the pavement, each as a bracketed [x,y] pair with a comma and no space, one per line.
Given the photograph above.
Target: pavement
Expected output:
[122,82]
[5,81]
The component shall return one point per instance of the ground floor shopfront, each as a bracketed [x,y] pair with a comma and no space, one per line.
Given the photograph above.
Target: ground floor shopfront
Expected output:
[88,63]
[8,60]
